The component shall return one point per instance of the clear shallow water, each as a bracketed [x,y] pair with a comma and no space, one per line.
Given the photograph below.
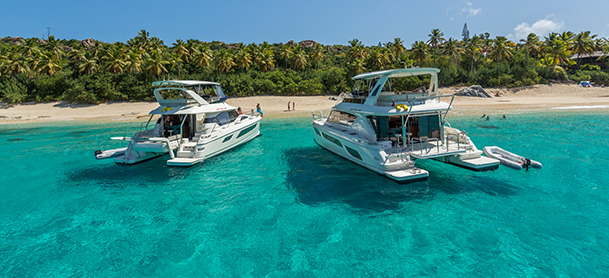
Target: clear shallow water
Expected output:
[281,206]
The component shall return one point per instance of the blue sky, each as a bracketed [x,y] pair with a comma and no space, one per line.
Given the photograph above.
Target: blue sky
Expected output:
[327,22]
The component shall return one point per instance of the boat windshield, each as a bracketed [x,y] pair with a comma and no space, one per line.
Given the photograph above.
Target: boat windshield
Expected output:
[208,92]
[223,118]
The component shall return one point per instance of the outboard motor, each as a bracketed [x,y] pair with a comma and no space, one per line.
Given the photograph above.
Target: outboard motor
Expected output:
[527,163]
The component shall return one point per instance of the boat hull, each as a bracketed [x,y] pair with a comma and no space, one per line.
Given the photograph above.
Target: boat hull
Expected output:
[205,147]
[369,158]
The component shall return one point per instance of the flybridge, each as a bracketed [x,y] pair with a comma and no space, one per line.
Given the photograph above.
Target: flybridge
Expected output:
[385,75]
[183,92]
[178,83]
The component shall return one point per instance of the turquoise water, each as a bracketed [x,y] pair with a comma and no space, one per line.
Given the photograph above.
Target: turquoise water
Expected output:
[280,206]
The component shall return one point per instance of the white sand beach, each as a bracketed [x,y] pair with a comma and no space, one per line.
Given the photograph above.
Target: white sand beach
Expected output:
[561,97]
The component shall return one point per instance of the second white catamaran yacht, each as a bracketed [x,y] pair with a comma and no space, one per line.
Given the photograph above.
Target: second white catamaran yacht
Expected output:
[386,131]
[194,123]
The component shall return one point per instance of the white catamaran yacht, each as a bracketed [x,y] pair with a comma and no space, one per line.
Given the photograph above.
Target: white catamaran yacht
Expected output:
[385,131]
[194,123]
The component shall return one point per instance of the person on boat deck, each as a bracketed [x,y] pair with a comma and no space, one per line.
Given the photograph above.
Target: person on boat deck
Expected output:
[171,122]
[239,110]
[259,110]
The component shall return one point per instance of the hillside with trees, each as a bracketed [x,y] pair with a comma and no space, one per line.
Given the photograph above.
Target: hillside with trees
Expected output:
[91,71]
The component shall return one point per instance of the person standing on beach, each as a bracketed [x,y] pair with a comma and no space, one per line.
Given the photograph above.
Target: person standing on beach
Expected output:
[293,106]
[259,110]
[288,106]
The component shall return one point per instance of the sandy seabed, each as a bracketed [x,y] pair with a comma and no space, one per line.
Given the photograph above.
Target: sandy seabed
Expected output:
[560,97]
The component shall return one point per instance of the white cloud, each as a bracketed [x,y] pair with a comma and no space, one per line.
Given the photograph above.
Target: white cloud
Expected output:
[541,28]
[466,9]
[469,9]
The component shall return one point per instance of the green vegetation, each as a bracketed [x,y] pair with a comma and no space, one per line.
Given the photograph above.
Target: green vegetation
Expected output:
[49,70]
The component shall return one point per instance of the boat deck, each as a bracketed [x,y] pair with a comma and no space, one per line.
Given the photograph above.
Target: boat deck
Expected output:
[431,148]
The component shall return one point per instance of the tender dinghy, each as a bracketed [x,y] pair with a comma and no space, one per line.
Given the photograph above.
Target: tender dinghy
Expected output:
[510,159]
[99,154]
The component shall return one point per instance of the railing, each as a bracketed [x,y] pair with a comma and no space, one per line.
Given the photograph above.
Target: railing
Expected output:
[451,136]
[401,153]
[208,134]
[427,149]
[148,122]
[316,117]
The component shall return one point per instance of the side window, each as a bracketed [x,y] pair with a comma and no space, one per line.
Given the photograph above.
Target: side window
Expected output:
[342,118]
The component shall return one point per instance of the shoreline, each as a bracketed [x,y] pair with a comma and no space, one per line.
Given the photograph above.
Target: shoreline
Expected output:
[554,97]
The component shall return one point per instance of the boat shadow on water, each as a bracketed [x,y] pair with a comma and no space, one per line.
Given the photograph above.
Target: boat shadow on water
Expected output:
[319,177]
[154,171]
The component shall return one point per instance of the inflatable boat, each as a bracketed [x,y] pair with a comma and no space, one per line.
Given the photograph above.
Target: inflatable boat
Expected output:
[510,159]
[99,154]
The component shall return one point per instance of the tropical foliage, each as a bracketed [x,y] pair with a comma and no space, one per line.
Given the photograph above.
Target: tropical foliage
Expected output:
[49,70]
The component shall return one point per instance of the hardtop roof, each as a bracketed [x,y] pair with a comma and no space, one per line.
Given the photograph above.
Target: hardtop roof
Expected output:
[396,73]
[182,83]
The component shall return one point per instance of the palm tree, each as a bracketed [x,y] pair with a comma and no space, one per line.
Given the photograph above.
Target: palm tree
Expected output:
[179,48]
[265,60]
[114,59]
[557,50]
[243,59]
[420,51]
[398,48]
[203,55]
[356,66]
[317,55]
[354,42]
[156,64]
[568,37]
[285,54]
[583,44]
[3,60]
[357,50]
[53,46]
[500,50]
[134,61]
[225,61]
[389,55]
[141,41]
[30,47]
[47,64]
[17,64]
[531,44]
[435,38]
[377,58]
[472,48]
[87,65]
[452,49]
[299,59]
